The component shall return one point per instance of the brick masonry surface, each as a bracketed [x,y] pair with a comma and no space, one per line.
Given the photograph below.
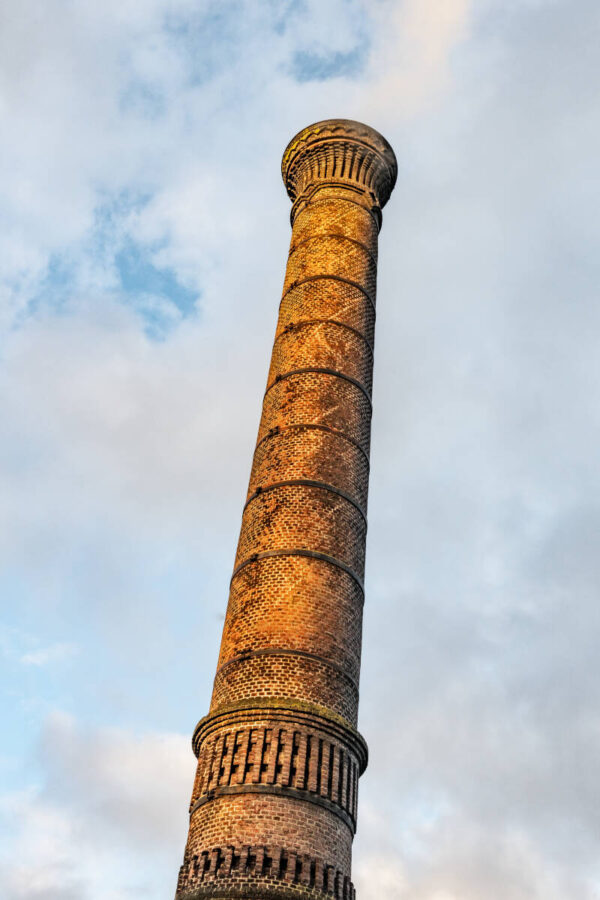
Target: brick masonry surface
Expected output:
[274,804]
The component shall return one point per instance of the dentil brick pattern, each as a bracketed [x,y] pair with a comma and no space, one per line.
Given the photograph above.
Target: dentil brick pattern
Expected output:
[273,809]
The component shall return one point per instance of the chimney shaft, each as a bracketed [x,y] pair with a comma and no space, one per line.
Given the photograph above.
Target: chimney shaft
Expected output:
[273,809]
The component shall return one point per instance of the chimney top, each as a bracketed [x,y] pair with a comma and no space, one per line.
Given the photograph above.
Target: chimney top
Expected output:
[339,153]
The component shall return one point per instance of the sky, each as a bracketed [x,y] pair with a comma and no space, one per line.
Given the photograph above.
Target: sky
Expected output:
[143,237]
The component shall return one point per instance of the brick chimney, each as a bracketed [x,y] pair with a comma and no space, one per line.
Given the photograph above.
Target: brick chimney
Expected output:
[273,809]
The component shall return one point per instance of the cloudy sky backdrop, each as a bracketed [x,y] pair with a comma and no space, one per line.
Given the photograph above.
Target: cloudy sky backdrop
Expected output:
[143,238]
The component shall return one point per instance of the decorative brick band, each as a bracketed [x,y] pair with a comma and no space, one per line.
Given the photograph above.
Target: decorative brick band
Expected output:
[282,752]
[282,711]
[263,869]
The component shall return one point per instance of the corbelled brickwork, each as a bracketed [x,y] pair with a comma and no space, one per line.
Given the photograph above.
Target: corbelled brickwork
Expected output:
[273,809]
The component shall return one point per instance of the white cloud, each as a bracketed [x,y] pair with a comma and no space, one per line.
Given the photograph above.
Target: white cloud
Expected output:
[411,63]
[110,802]
[45,655]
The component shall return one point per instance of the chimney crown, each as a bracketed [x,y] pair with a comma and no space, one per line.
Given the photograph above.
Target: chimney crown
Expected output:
[339,153]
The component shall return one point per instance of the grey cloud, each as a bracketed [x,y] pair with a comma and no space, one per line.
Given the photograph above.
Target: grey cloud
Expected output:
[110,801]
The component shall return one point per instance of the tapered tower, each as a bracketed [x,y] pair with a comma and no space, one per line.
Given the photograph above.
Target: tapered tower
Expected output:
[273,809]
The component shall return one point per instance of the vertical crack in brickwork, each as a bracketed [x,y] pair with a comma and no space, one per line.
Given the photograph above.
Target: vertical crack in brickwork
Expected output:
[274,803]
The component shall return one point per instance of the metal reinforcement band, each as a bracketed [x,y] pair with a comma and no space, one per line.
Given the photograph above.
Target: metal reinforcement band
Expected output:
[328,235]
[311,554]
[320,370]
[286,651]
[306,482]
[278,429]
[293,326]
[339,278]
[279,790]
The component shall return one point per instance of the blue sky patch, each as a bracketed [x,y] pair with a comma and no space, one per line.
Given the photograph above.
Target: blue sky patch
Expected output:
[144,99]
[157,292]
[206,38]
[308,65]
